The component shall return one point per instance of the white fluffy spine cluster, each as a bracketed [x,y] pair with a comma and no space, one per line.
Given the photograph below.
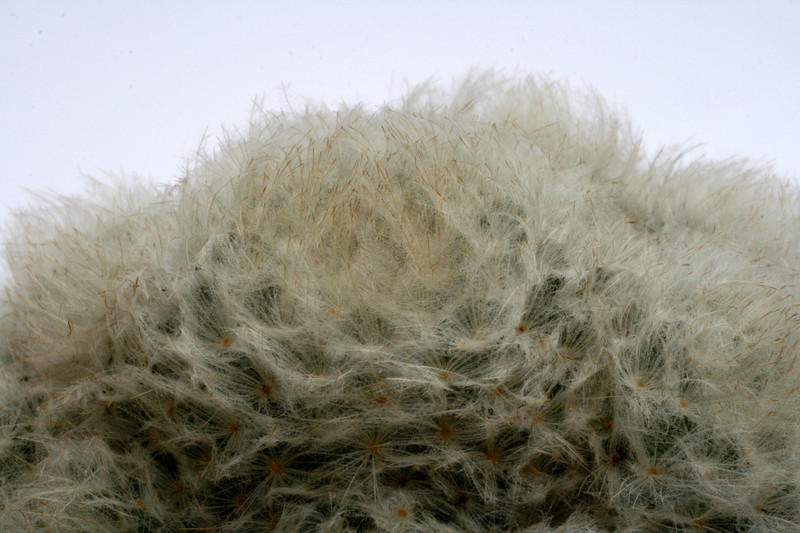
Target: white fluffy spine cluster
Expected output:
[477,311]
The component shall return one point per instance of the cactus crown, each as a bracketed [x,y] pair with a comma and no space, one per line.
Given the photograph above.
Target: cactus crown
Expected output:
[481,310]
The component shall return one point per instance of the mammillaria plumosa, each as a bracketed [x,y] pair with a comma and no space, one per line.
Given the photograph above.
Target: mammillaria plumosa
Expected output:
[478,310]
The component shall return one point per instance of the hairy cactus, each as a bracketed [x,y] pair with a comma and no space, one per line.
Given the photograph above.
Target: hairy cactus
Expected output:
[481,310]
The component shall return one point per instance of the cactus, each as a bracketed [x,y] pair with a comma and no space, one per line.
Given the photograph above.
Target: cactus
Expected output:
[478,310]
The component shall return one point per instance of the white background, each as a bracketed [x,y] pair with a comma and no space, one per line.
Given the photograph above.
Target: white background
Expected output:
[130,88]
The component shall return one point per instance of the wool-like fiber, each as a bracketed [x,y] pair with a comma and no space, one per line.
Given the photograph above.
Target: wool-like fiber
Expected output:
[482,309]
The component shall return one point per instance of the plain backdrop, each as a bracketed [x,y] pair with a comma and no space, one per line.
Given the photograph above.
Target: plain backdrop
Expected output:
[131,88]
